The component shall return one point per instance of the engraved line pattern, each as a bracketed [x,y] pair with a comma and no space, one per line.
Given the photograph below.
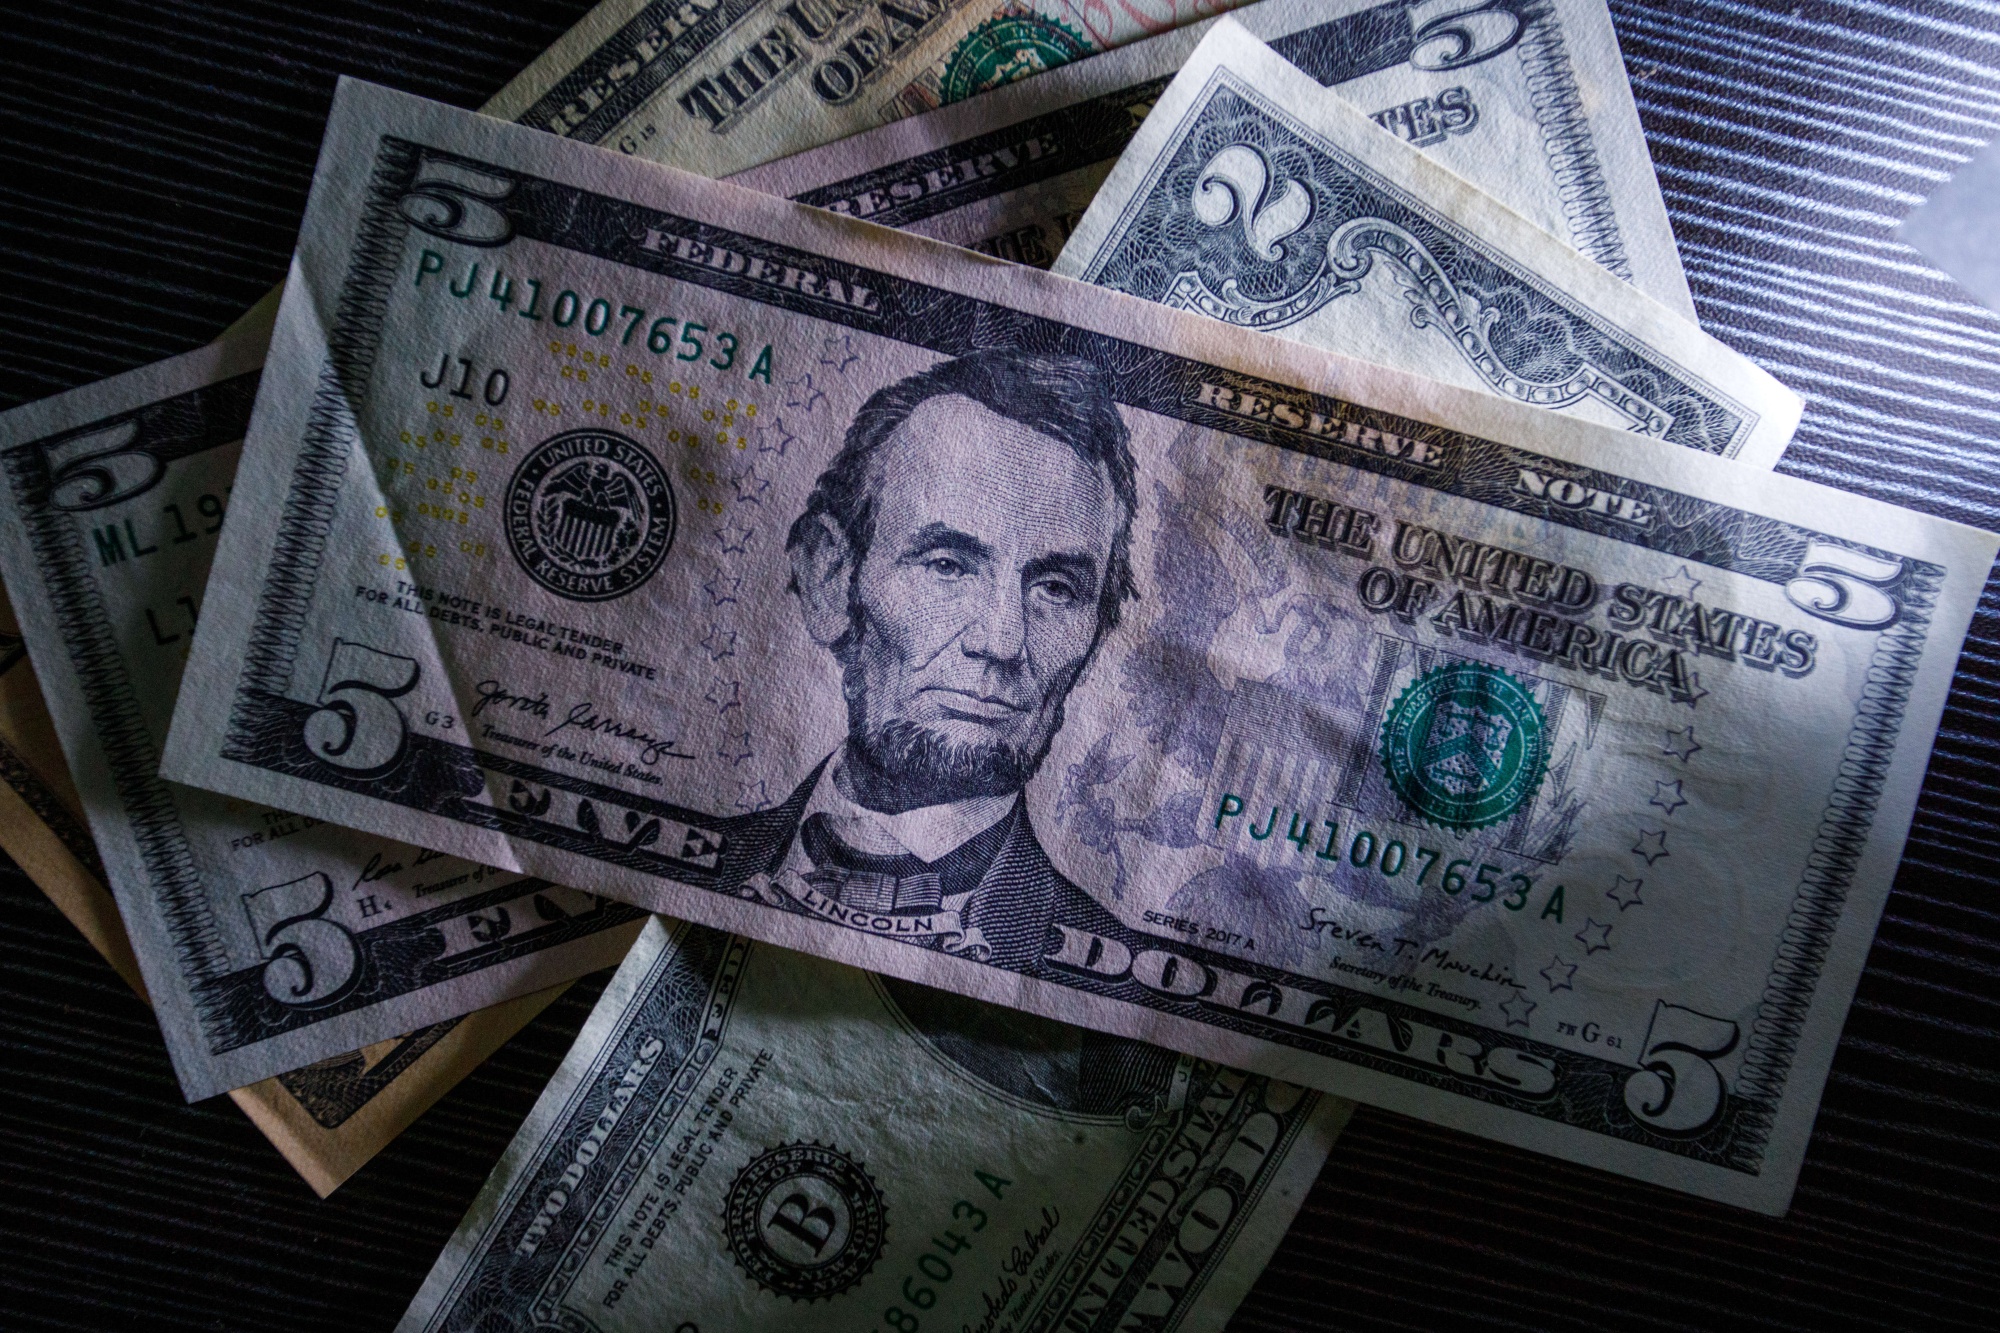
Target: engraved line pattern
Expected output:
[1843,836]
[1160,240]
[1558,107]
[128,746]
[353,344]
[331,1091]
[1096,1251]
[697,966]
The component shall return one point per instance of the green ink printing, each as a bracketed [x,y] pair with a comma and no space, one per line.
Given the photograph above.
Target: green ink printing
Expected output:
[1465,745]
[1009,47]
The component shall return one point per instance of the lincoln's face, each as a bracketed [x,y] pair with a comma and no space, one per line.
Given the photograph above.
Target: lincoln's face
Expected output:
[974,609]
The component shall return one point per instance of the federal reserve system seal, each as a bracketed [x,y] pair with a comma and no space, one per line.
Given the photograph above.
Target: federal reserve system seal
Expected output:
[1465,745]
[805,1220]
[590,514]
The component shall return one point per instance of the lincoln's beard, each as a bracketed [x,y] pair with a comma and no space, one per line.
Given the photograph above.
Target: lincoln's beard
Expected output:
[903,765]
[900,765]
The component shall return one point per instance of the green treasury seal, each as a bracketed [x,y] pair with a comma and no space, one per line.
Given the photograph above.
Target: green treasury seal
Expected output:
[1013,44]
[1465,745]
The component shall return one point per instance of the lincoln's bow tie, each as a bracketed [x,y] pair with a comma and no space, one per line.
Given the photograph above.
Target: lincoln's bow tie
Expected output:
[902,884]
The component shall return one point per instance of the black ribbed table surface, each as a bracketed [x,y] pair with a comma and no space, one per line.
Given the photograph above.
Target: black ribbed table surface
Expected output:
[154,160]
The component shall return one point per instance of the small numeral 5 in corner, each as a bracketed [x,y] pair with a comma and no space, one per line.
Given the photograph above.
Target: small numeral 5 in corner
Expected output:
[308,959]
[1846,586]
[358,726]
[1677,1089]
[100,467]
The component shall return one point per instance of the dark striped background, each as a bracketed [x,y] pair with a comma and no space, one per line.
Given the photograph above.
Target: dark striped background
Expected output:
[153,162]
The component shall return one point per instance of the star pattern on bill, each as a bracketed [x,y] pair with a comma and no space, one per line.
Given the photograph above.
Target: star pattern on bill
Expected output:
[1517,1007]
[1694,693]
[725,694]
[719,642]
[1626,892]
[1595,936]
[723,588]
[803,395]
[838,352]
[1559,975]
[1680,744]
[774,438]
[1667,795]
[1680,583]
[752,795]
[750,487]
[735,747]
[734,537]
[1652,845]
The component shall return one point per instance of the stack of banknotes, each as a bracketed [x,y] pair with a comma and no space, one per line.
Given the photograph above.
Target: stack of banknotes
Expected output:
[1335,634]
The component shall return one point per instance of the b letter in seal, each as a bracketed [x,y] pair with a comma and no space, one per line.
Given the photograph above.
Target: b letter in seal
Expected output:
[806,1221]
[590,514]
